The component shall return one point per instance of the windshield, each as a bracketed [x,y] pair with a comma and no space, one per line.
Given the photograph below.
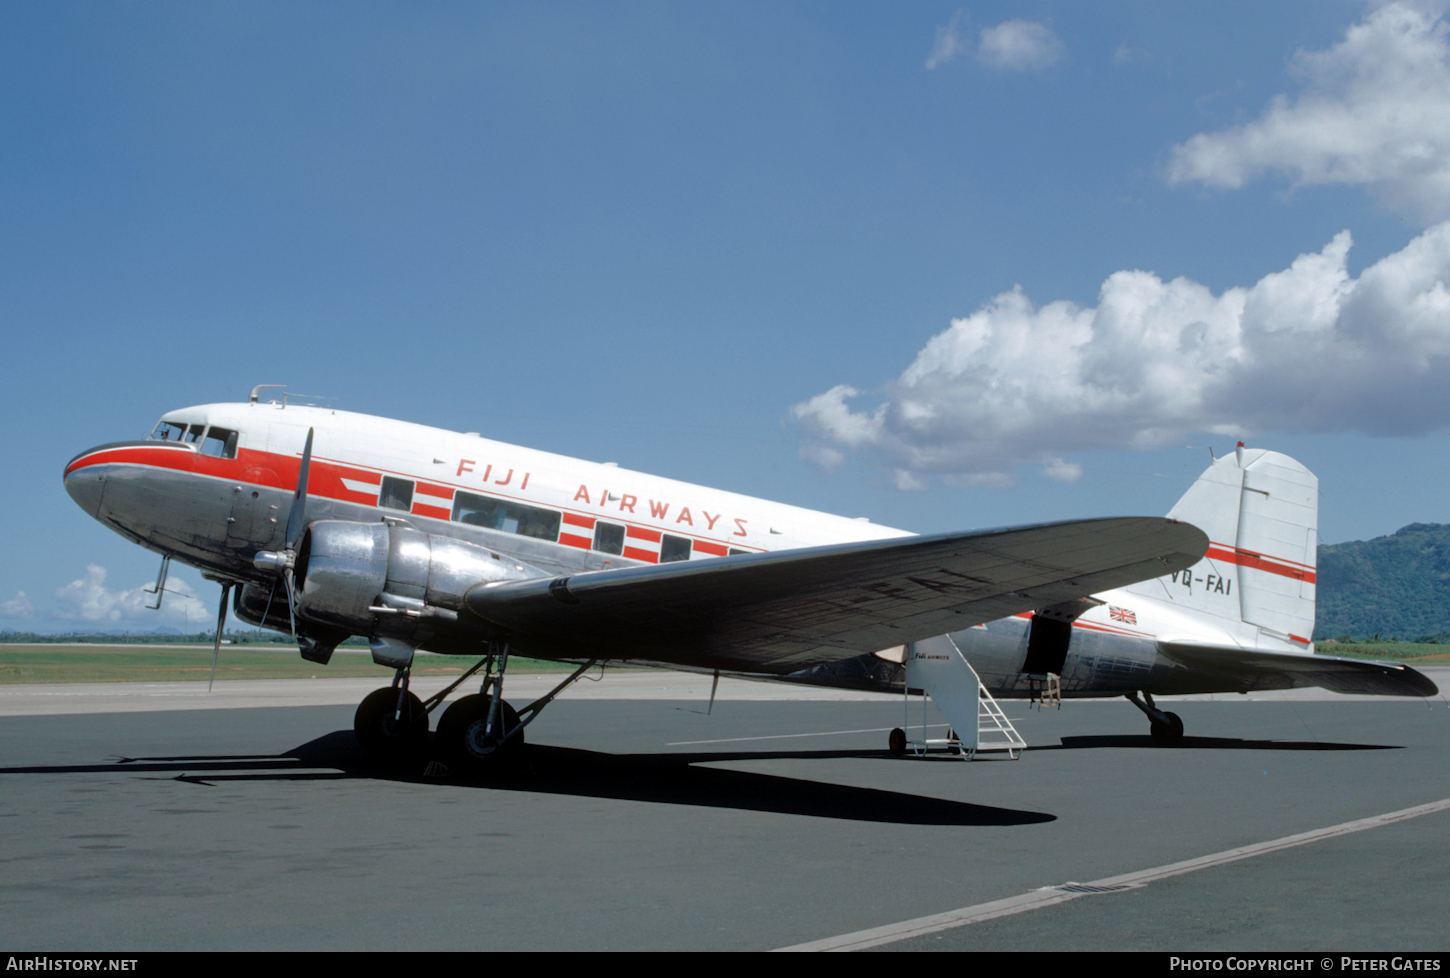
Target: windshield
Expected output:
[214,441]
[168,431]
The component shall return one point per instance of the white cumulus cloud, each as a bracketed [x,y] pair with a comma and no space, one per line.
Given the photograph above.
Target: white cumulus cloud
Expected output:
[948,42]
[89,602]
[1019,45]
[1015,384]
[18,607]
[1374,111]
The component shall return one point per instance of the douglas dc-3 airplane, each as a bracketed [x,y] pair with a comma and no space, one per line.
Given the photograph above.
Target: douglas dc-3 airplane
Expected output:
[328,524]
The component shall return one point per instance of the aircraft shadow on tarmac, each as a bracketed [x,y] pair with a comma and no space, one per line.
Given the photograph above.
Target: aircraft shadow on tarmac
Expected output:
[1202,743]
[663,778]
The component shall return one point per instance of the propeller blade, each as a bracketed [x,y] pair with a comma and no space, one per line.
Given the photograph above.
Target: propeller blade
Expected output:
[291,599]
[270,595]
[221,621]
[296,518]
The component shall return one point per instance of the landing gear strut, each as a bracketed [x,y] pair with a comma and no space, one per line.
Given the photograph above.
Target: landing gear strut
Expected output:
[482,729]
[1166,729]
[391,723]
[474,733]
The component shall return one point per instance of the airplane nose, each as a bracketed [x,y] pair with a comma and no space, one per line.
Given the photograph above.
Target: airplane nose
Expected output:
[86,485]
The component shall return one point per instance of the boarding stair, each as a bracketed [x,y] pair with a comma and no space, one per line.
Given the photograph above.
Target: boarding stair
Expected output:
[937,667]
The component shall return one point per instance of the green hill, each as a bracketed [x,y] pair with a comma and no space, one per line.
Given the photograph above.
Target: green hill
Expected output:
[1396,585]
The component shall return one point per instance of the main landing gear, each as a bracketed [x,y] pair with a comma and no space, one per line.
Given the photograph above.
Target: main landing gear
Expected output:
[475,733]
[1165,728]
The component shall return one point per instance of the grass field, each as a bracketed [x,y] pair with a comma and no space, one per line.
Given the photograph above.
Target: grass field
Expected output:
[1410,653]
[172,663]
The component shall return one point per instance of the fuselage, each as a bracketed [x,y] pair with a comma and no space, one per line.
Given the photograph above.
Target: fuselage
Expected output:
[213,486]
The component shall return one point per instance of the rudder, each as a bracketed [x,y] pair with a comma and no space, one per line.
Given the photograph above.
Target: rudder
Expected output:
[1260,510]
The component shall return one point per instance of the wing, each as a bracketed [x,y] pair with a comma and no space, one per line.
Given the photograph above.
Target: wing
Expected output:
[784,611]
[1355,676]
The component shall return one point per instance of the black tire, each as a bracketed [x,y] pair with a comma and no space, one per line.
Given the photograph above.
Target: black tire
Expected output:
[896,742]
[384,736]
[1177,722]
[464,742]
[1168,734]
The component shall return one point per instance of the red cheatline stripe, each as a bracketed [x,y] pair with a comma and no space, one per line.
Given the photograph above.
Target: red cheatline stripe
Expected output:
[1079,623]
[1106,628]
[1300,639]
[276,470]
[175,457]
[583,543]
[1273,565]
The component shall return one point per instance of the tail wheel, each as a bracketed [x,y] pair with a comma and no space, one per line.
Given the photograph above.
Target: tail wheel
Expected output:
[464,737]
[1168,734]
[385,735]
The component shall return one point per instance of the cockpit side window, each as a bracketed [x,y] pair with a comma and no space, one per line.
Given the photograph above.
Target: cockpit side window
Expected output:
[220,443]
[168,431]
[193,434]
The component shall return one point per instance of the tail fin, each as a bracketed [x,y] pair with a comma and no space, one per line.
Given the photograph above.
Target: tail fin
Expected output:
[1260,510]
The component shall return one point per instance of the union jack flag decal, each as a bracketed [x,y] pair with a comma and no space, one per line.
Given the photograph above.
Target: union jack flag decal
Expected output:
[1122,614]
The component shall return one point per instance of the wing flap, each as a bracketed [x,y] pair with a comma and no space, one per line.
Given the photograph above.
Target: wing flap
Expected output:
[788,610]
[1352,676]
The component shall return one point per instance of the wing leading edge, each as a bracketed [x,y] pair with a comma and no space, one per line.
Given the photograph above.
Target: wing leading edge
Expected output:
[784,611]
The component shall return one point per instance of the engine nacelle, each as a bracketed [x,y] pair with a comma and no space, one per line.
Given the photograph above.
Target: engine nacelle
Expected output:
[346,568]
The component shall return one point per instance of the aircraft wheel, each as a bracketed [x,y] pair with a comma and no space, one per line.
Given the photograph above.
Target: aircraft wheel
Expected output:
[383,736]
[463,740]
[896,742]
[1168,734]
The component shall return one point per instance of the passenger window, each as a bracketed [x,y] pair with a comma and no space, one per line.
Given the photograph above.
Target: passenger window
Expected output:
[168,431]
[219,443]
[736,550]
[511,517]
[396,494]
[608,538]
[674,548]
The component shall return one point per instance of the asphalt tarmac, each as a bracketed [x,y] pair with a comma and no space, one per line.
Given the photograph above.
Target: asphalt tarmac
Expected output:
[134,820]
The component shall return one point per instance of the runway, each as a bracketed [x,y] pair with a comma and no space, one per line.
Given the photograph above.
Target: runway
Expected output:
[153,818]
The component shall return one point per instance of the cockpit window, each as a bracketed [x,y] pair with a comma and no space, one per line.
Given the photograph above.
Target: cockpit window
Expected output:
[193,434]
[220,443]
[168,431]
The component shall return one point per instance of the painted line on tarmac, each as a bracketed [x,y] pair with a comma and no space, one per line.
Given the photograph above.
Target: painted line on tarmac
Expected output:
[821,733]
[1050,895]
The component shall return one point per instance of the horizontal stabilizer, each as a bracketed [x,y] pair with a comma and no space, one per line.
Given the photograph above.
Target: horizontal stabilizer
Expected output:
[788,610]
[1352,676]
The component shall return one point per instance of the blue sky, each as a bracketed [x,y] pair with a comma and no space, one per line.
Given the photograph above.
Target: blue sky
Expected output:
[943,265]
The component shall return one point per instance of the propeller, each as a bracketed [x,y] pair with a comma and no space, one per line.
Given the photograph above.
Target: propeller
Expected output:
[284,564]
[281,564]
[296,518]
